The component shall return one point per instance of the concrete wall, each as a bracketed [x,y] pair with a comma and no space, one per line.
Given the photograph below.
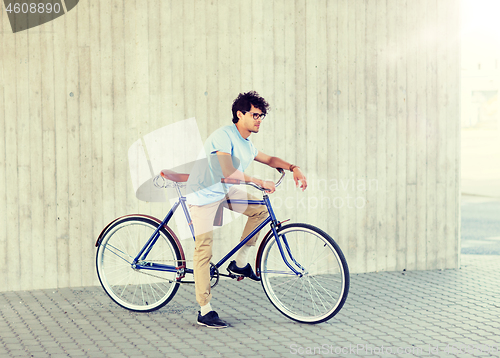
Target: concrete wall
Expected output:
[364,94]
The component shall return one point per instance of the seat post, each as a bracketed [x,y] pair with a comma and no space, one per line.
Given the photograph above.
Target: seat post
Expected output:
[178,189]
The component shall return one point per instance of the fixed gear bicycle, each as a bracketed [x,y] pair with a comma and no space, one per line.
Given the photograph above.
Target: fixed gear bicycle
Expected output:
[140,261]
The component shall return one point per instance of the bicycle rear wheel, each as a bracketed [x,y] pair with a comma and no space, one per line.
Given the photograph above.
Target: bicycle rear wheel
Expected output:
[134,289]
[320,291]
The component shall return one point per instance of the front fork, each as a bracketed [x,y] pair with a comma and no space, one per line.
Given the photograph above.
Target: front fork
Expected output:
[288,252]
[274,225]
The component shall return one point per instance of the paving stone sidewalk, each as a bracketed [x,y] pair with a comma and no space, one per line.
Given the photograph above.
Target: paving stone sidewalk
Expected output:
[448,313]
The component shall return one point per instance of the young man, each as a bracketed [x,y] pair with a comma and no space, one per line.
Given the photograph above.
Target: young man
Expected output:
[229,153]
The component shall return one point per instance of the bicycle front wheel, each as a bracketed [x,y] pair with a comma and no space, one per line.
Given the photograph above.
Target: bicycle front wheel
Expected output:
[137,289]
[320,289]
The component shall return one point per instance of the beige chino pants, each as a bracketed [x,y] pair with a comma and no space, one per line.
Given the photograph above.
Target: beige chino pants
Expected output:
[203,219]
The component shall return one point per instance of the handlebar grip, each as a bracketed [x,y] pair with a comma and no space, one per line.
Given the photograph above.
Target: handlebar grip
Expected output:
[280,170]
[230,181]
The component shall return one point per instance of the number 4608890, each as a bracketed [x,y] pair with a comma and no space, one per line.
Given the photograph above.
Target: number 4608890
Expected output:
[33,8]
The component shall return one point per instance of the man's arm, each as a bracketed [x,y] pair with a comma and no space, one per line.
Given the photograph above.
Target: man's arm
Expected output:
[275,162]
[229,171]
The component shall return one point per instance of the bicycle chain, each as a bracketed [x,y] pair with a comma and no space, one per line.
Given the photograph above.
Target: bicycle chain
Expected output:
[161,278]
[175,281]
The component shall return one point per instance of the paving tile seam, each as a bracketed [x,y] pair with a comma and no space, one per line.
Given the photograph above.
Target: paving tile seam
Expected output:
[71,323]
[21,342]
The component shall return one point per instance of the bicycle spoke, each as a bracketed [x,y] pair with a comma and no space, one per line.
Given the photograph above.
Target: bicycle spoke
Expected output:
[284,283]
[293,283]
[320,285]
[318,295]
[114,253]
[142,294]
[120,280]
[327,271]
[312,294]
[290,273]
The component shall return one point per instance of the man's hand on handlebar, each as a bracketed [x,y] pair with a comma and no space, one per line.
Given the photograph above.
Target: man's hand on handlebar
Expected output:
[269,186]
[266,185]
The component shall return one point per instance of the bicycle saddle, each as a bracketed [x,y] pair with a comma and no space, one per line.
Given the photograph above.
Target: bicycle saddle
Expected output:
[171,175]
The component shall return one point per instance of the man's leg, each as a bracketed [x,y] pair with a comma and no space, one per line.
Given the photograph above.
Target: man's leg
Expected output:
[256,214]
[203,217]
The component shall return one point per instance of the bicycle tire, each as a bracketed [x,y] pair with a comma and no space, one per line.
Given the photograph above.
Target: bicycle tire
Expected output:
[133,289]
[321,291]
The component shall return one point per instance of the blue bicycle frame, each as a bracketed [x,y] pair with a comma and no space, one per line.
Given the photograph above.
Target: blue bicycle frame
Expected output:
[140,262]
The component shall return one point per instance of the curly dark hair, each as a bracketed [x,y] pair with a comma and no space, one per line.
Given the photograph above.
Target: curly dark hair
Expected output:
[245,101]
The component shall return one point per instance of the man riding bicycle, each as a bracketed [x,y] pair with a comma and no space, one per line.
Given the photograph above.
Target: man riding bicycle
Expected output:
[229,153]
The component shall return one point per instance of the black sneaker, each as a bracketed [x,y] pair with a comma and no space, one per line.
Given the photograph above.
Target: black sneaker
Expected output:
[245,271]
[211,320]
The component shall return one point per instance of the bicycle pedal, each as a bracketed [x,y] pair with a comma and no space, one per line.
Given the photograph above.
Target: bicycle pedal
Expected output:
[236,276]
